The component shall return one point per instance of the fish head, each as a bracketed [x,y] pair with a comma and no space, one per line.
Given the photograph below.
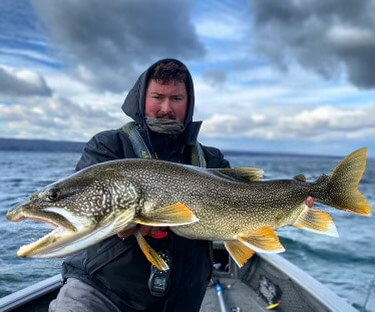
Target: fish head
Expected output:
[84,209]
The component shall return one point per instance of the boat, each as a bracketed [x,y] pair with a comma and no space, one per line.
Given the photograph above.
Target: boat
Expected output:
[267,281]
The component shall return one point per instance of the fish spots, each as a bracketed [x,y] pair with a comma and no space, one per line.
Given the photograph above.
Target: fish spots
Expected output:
[101,198]
[94,201]
[124,195]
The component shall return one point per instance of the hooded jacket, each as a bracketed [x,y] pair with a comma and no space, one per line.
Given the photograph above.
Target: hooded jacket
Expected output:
[118,268]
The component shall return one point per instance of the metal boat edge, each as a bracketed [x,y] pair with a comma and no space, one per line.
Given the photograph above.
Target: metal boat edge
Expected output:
[312,286]
[42,292]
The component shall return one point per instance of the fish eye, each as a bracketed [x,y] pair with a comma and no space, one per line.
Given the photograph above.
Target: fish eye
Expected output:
[53,194]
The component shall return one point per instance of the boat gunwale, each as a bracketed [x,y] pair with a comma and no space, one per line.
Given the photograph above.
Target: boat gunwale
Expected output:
[313,287]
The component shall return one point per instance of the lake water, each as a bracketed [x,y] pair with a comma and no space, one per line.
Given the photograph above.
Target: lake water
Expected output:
[345,264]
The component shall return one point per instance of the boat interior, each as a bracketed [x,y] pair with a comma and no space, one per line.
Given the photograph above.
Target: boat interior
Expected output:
[266,282]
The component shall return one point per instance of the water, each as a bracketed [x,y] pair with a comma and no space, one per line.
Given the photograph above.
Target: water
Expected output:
[346,264]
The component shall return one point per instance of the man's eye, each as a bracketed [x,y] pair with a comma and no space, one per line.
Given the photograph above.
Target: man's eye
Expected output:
[157,97]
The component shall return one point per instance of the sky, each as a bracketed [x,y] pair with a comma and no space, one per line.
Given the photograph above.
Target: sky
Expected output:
[286,76]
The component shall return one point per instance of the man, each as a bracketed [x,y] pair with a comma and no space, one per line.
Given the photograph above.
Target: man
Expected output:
[114,275]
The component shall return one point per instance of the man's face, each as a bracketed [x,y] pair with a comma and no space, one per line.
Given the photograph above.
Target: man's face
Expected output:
[168,101]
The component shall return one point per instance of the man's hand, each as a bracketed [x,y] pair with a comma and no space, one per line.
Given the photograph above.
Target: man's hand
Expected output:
[143,229]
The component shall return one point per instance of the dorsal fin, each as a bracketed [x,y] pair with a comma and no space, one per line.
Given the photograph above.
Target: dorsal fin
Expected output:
[300,177]
[239,174]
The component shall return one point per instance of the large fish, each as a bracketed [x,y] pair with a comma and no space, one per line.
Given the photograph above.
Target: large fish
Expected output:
[232,205]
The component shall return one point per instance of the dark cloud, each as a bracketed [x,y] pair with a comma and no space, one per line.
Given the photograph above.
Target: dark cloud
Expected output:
[22,83]
[325,36]
[112,41]
[215,77]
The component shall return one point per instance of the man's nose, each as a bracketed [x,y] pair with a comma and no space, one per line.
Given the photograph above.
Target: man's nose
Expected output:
[166,106]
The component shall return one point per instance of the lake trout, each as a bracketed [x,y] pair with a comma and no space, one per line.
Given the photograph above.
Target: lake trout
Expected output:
[232,205]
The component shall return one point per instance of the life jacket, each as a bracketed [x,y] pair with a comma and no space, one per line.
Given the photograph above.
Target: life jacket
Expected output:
[142,151]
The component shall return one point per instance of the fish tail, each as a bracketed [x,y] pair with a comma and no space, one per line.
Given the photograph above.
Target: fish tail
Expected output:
[340,189]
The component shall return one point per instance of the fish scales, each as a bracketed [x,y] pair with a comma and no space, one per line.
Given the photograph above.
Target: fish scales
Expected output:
[242,205]
[214,204]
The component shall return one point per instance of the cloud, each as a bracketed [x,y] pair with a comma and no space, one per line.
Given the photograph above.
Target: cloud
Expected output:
[111,40]
[55,118]
[319,124]
[17,20]
[325,36]
[20,83]
[215,77]
[324,122]
[222,20]
[232,125]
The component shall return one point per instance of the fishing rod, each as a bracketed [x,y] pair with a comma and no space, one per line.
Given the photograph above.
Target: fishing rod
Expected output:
[219,292]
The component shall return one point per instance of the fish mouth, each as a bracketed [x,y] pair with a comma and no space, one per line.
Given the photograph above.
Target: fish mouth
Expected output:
[71,232]
[54,219]
[67,228]
[46,246]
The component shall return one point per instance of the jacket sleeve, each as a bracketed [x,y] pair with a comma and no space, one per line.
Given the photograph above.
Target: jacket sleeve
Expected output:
[223,162]
[215,158]
[104,146]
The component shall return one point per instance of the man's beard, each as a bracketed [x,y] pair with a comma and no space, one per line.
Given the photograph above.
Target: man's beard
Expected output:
[166,126]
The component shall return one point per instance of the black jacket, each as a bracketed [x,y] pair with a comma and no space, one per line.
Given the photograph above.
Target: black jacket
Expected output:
[118,268]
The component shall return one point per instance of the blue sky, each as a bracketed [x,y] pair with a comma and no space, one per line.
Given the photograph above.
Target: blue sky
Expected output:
[277,76]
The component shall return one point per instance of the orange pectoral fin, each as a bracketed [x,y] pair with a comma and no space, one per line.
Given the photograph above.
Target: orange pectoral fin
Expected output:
[264,240]
[150,253]
[172,215]
[239,252]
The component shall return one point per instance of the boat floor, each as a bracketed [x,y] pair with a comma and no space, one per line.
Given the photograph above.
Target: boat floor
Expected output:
[235,294]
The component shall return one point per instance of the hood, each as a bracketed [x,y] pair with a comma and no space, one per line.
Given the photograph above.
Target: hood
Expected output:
[134,103]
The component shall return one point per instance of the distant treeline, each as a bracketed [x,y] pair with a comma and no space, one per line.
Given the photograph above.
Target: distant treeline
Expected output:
[77,147]
[40,145]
